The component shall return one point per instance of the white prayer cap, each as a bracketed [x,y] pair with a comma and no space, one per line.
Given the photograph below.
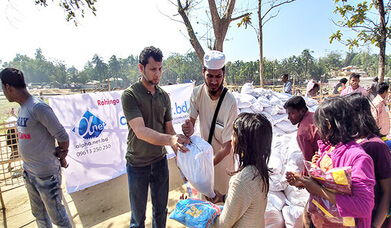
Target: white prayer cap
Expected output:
[214,60]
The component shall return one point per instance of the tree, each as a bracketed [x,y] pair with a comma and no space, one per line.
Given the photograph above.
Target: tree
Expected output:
[100,68]
[73,7]
[262,19]
[114,67]
[307,60]
[220,21]
[359,18]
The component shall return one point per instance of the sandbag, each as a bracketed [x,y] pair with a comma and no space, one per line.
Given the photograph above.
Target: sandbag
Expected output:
[196,213]
[197,165]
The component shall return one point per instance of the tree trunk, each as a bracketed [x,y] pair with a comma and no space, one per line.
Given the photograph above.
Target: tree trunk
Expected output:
[260,41]
[193,38]
[220,25]
[382,41]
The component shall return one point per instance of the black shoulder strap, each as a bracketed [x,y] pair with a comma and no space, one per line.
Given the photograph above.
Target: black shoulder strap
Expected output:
[212,127]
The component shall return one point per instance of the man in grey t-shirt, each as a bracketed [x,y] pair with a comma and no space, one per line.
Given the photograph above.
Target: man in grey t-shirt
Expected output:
[38,129]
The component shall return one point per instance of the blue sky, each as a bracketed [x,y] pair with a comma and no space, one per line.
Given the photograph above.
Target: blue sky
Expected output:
[124,27]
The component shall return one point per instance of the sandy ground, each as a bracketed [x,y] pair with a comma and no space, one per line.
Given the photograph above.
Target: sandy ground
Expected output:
[103,205]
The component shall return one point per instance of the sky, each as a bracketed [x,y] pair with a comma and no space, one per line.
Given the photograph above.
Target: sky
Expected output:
[124,27]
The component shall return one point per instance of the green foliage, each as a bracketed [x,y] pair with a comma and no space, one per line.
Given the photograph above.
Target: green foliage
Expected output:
[177,68]
[362,18]
[73,8]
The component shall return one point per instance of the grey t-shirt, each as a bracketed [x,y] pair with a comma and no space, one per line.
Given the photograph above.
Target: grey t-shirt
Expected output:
[38,127]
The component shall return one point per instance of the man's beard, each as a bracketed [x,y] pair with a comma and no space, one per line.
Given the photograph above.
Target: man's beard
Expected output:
[216,91]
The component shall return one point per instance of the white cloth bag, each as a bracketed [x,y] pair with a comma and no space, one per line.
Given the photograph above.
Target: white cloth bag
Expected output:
[197,165]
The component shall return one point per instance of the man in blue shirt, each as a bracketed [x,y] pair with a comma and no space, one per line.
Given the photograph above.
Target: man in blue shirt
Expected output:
[287,84]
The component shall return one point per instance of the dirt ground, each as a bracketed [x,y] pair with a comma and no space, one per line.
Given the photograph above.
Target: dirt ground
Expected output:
[103,205]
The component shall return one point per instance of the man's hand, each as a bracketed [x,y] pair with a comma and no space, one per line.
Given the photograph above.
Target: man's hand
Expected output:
[188,128]
[178,141]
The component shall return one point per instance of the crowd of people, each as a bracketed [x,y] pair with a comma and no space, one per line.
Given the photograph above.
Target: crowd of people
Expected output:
[346,131]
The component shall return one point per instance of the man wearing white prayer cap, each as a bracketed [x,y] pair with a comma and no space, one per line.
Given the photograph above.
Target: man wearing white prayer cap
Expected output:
[203,102]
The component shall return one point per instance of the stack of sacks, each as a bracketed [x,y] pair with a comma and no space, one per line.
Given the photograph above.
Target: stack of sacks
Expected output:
[285,203]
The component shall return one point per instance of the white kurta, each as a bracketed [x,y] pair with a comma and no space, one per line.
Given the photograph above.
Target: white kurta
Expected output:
[202,106]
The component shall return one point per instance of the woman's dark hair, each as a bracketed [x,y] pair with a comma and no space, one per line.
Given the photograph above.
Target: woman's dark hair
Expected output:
[334,119]
[150,51]
[365,122]
[343,80]
[254,138]
[382,87]
[13,77]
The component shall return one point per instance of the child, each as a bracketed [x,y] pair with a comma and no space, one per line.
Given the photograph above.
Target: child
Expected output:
[338,148]
[246,200]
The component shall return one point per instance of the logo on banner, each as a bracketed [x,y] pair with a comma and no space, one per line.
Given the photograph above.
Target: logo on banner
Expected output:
[89,126]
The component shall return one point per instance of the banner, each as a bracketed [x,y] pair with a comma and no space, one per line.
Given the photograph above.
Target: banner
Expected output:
[98,132]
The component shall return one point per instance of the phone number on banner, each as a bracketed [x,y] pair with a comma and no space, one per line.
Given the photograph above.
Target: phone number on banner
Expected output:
[93,150]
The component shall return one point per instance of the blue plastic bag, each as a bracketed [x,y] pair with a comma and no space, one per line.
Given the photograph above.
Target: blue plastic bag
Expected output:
[196,213]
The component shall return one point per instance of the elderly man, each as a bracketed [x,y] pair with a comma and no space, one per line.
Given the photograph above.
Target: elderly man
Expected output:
[354,86]
[203,104]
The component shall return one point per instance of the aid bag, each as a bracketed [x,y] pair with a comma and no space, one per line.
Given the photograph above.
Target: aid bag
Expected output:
[196,213]
[197,165]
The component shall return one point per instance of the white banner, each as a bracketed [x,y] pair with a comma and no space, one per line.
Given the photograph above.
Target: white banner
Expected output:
[98,132]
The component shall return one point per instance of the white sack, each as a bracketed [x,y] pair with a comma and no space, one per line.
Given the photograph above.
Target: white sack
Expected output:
[277,199]
[310,102]
[197,165]
[274,219]
[282,96]
[295,196]
[247,88]
[276,101]
[264,92]
[295,162]
[280,117]
[275,164]
[286,126]
[257,107]
[275,183]
[278,132]
[269,117]
[291,214]
[246,110]
[264,101]
[271,110]
[246,101]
